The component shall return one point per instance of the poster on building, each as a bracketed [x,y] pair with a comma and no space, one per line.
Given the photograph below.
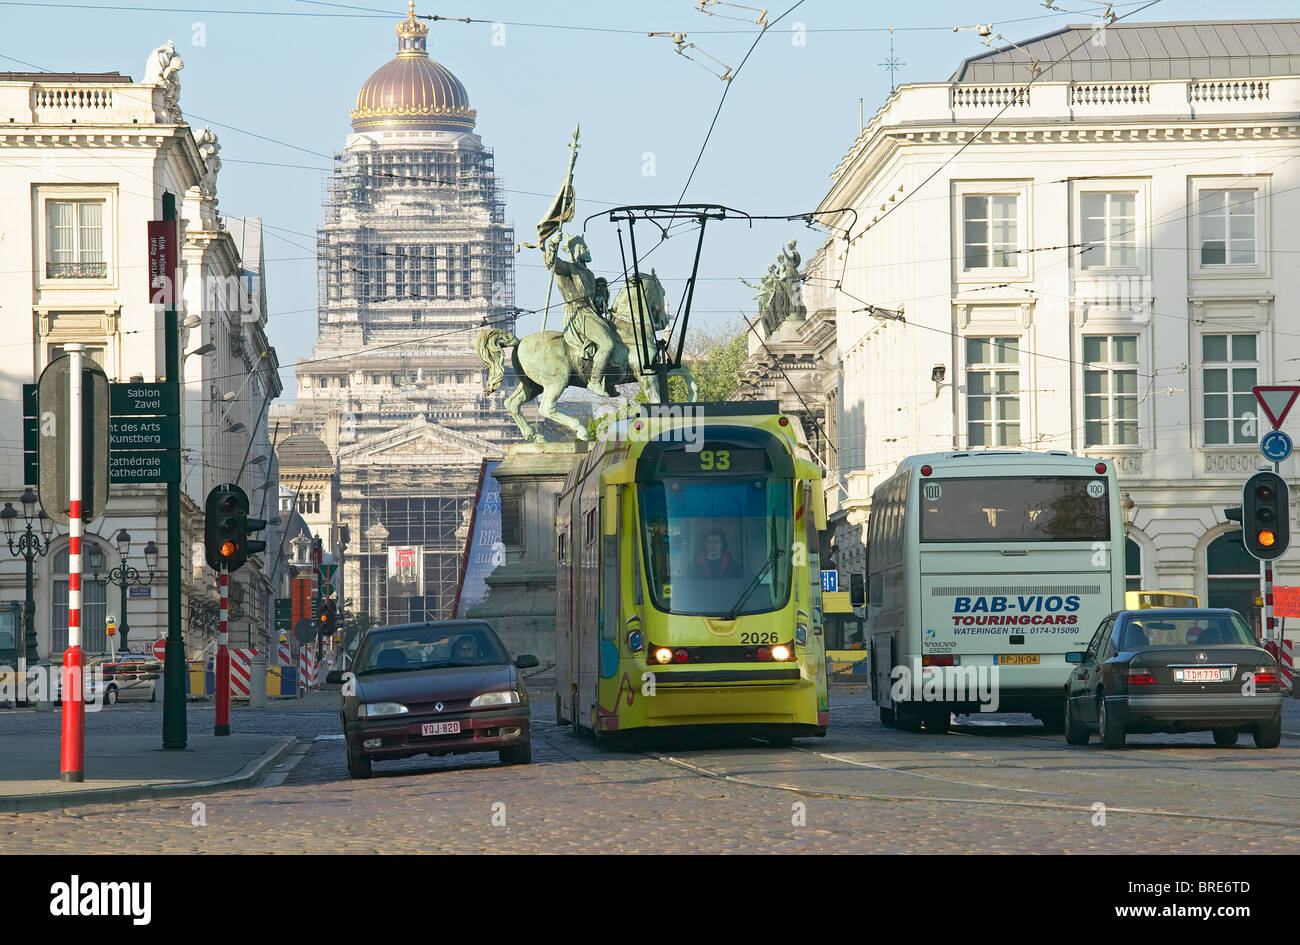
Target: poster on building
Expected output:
[484,550]
[405,571]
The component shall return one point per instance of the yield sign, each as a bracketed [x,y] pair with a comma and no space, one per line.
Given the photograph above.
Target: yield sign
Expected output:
[1276,401]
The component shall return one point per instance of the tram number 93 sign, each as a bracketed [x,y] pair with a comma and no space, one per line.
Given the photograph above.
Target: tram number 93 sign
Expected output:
[721,459]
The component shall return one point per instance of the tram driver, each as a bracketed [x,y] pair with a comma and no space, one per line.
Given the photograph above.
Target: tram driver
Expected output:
[715,560]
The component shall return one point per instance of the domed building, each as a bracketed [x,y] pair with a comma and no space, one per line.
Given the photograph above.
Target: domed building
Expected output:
[414,257]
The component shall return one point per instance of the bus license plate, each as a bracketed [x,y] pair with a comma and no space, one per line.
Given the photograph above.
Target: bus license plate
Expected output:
[1018,659]
[1200,674]
[440,728]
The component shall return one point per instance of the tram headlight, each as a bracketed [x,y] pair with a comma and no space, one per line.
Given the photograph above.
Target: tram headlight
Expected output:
[781,653]
[801,634]
[635,641]
[663,655]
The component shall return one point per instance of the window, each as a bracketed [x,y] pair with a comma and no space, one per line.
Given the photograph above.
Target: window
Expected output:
[1227,227]
[76,239]
[1014,508]
[1108,230]
[992,392]
[94,353]
[1110,390]
[1232,577]
[94,609]
[989,231]
[1229,369]
[1132,565]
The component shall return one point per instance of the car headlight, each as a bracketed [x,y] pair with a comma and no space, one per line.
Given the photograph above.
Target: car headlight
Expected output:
[494,698]
[376,709]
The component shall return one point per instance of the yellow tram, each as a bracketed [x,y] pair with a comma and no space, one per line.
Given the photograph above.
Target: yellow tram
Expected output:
[688,589]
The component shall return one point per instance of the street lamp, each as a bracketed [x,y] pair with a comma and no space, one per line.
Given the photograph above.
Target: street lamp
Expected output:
[124,575]
[29,545]
[1127,505]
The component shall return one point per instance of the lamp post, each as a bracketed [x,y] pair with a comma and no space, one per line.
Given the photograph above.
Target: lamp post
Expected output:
[30,546]
[124,575]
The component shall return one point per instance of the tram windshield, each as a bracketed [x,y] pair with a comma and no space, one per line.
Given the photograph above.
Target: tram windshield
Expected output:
[717,547]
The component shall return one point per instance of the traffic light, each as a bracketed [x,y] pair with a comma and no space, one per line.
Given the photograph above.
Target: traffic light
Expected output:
[857,590]
[1266,516]
[223,515]
[227,527]
[328,621]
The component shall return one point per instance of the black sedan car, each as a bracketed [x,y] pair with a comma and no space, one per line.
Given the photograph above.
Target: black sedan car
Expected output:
[1185,670]
[437,688]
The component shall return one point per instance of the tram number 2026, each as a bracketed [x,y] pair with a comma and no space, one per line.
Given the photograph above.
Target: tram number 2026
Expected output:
[757,637]
[715,460]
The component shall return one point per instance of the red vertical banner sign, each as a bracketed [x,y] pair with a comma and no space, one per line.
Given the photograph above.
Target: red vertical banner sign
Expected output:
[163,257]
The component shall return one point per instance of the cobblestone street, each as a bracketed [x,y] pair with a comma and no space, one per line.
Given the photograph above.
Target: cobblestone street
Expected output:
[985,788]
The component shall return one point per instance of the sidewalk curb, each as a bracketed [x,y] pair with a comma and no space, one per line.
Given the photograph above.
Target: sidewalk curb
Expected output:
[244,777]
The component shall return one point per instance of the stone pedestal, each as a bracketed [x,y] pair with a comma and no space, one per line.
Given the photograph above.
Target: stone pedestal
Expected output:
[520,603]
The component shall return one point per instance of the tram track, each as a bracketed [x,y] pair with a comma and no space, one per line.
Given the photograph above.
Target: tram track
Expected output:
[1089,810]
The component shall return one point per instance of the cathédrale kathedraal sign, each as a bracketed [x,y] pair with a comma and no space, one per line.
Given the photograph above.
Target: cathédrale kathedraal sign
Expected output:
[163,254]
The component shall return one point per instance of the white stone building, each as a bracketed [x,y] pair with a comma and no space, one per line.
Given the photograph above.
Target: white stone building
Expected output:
[85,163]
[1102,260]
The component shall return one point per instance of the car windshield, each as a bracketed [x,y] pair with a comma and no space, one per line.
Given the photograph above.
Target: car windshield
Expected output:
[429,647]
[1162,630]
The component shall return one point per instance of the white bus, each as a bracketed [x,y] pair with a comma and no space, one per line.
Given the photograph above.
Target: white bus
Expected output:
[984,569]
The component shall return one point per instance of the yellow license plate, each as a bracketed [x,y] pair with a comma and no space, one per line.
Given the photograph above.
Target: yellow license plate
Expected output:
[1018,659]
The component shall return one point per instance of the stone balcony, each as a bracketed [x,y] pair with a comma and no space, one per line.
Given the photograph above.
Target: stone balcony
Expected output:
[66,103]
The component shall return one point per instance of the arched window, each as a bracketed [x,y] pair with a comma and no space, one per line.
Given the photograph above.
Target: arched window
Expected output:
[1132,565]
[1232,577]
[94,609]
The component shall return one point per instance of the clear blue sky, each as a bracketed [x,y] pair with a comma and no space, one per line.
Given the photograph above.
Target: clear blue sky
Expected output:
[291,73]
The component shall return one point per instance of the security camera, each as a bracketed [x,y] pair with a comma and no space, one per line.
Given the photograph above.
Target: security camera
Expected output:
[938,373]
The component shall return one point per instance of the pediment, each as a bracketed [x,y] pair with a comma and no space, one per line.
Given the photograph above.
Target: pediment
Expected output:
[417,441]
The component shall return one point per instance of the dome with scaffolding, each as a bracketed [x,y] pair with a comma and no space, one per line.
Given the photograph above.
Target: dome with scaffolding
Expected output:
[413,92]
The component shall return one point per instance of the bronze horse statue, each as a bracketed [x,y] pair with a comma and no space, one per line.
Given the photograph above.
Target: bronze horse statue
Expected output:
[546,364]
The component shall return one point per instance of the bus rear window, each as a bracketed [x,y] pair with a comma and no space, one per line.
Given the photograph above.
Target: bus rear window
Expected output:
[1015,508]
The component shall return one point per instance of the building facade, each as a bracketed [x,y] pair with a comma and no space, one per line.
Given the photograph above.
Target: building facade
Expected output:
[87,161]
[1096,260]
[414,259]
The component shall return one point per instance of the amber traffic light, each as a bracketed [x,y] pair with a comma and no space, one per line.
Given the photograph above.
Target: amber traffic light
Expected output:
[1266,517]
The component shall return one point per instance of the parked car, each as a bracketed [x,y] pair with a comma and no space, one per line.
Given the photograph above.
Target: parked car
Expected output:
[437,688]
[1174,670]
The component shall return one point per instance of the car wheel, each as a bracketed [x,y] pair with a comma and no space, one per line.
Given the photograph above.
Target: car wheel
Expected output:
[1225,737]
[358,764]
[110,695]
[517,755]
[1076,733]
[1112,732]
[887,716]
[1269,735]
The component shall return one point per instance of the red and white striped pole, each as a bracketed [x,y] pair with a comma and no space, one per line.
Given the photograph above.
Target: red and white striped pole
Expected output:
[72,759]
[223,658]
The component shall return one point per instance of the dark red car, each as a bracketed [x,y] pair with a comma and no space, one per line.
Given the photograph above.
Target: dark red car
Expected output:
[439,688]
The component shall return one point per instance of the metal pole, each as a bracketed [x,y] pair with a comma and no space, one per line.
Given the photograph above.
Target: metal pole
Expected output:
[72,762]
[29,655]
[123,628]
[222,674]
[174,722]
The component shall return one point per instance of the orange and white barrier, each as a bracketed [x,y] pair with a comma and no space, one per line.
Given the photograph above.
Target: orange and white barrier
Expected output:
[1285,662]
[307,667]
[285,658]
[241,674]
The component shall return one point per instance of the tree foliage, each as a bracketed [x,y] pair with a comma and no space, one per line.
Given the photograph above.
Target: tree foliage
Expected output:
[714,355]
